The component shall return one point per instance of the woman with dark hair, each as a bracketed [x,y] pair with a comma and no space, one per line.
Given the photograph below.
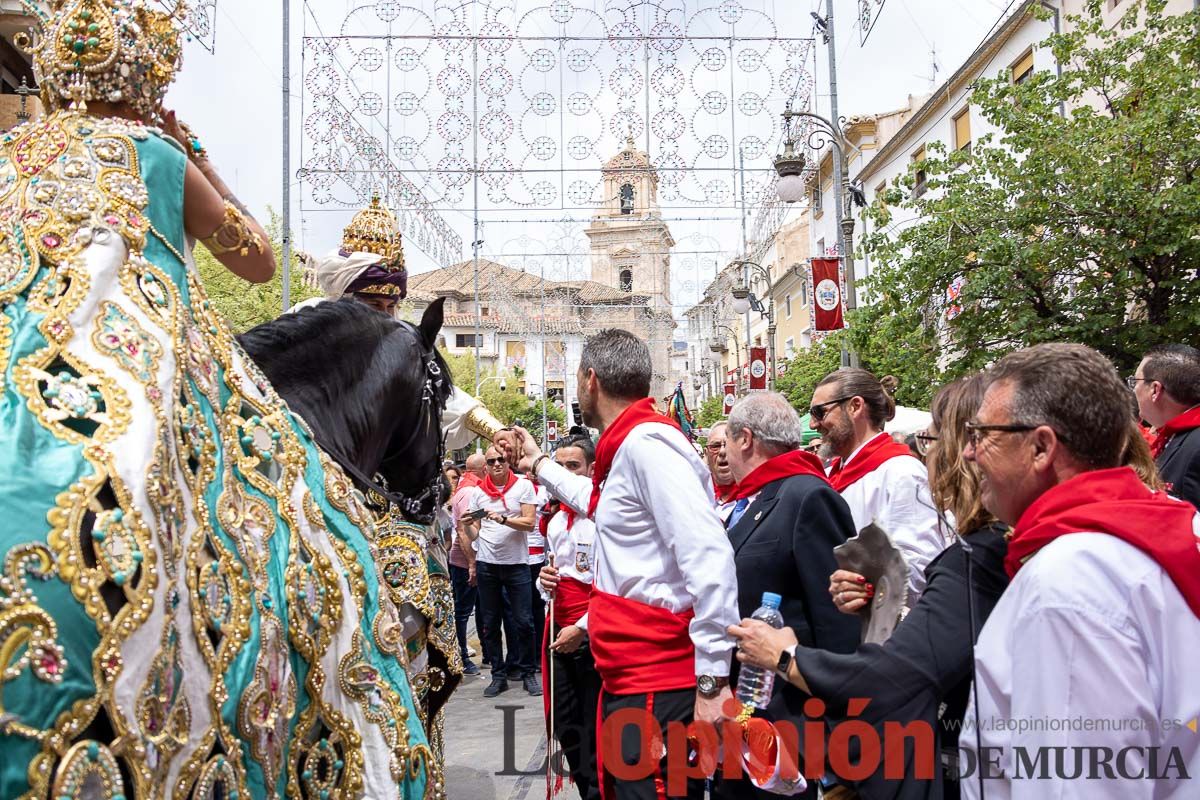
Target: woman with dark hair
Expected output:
[922,674]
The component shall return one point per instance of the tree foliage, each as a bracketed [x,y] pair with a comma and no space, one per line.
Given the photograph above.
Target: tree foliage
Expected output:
[1078,220]
[806,369]
[246,304]
[710,411]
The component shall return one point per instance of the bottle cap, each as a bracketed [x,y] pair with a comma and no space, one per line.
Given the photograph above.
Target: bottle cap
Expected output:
[771,600]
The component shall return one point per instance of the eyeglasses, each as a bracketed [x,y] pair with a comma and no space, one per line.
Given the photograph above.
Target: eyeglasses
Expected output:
[715,447]
[819,411]
[924,440]
[1132,381]
[976,433]
[494,461]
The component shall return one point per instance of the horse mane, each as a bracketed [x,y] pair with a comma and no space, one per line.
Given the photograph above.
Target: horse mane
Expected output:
[342,367]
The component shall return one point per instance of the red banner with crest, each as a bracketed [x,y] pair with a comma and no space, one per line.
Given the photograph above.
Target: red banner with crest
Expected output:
[758,368]
[730,397]
[827,295]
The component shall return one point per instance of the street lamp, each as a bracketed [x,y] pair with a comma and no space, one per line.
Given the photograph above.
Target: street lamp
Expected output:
[744,300]
[790,168]
[718,347]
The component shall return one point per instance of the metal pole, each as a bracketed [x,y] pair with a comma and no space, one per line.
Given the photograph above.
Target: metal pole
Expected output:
[841,180]
[286,233]
[475,244]
[545,382]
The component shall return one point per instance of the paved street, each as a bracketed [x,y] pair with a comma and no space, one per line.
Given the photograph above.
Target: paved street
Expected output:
[482,763]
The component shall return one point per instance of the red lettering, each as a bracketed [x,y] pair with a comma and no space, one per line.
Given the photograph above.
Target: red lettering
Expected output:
[924,753]
[680,767]
[814,738]
[649,749]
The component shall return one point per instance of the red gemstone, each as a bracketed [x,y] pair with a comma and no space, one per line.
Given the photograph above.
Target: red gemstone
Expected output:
[51,240]
[135,220]
[50,664]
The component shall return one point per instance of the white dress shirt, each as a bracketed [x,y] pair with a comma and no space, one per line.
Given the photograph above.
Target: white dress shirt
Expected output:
[896,497]
[574,551]
[500,544]
[534,538]
[1092,631]
[658,538]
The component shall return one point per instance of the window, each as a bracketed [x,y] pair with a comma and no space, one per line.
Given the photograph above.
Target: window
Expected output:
[627,198]
[818,198]
[918,165]
[962,130]
[804,291]
[1023,67]
[462,340]
[483,311]
[789,348]
[626,280]
[821,247]
[787,306]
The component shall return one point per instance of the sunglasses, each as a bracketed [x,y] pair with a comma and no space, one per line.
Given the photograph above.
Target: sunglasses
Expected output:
[924,441]
[494,461]
[819,411]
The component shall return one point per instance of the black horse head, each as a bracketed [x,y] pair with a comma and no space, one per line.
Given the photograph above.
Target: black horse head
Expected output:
[372,389]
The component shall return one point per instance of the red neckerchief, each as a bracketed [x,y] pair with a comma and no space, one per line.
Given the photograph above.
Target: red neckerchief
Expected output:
[786,465]
[1116,502]
[489,488]
[638,413]
[1184,422]
[869,458]
[724,491]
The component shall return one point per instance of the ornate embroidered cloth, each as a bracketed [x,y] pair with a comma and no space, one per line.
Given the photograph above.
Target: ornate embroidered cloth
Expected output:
[189,603]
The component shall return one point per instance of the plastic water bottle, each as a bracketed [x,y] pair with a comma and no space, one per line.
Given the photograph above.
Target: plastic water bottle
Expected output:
[754,683]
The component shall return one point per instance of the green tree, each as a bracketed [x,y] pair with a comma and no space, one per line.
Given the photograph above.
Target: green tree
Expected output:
[711,410]
[1079,220]
[246,304]
[806,369]
[513,407]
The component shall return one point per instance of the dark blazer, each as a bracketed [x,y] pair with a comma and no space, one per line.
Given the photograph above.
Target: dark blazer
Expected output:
[923,672]
[784,543]
[1179,465]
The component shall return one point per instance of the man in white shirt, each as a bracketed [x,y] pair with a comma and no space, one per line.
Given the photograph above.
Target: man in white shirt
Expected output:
[567,583]
[878,478]
[664,588]
[1086,669]
[503,507]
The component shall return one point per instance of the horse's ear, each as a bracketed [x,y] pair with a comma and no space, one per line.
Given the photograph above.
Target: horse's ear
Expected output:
[431,321]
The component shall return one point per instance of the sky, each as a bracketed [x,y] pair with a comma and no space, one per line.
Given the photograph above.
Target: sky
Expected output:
[233,99]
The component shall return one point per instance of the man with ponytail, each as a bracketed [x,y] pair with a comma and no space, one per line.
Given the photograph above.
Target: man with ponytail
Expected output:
[878,478]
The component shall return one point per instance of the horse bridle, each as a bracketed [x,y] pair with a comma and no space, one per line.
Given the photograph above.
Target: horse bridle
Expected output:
[410,504]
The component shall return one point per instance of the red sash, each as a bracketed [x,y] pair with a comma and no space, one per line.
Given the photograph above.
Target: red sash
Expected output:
[638,648]
[490,489]
[1116,502]
[1184,422]
[638,413]
[782,466]
[724,491]
[570,600]
[869,459]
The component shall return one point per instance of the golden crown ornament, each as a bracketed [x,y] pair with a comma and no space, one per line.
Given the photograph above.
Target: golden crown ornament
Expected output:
[113,51]
[375,230]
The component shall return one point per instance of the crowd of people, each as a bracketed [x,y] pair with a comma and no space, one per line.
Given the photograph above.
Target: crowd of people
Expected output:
[1036,661]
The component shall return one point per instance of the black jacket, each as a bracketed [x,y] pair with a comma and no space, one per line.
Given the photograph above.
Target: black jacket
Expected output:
[784,543]
[1179,465]
[923,672]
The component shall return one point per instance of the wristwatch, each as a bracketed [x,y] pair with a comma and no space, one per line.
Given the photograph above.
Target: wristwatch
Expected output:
[710,686]
[785,660]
